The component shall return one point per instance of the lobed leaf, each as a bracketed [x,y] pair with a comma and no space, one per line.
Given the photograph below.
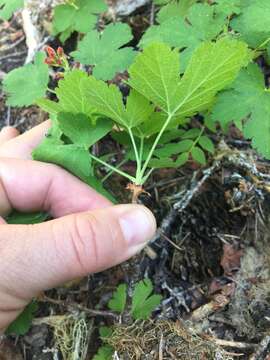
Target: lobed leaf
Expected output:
[252,115]
[143,303]
[81,17]
[213,66]
[118,301]
[25,85]
[95,49]
[81,130]
[108,102]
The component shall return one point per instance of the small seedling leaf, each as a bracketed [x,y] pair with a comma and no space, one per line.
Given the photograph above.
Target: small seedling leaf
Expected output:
[143,303]
[118,301]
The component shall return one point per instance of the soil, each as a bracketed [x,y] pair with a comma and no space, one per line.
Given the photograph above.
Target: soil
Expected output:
[211,260]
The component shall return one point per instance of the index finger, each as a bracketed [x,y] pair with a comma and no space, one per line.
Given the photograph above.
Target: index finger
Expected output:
[21,147]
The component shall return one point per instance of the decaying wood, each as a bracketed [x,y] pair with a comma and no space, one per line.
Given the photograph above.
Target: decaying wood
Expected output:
[125,7]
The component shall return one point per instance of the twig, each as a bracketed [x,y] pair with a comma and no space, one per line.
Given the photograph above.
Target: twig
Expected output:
[263,349]
[160,348]
[219,302]
[181,205]
[73,306]
[229,343]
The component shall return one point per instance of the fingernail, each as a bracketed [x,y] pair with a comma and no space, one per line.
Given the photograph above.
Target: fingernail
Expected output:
[138,225]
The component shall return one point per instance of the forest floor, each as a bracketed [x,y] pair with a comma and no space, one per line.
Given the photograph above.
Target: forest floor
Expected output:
[210,261]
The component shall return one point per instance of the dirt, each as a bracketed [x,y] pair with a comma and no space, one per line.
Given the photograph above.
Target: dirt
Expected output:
[212,263]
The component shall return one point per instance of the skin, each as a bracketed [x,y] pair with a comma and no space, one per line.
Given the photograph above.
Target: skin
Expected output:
[88,234]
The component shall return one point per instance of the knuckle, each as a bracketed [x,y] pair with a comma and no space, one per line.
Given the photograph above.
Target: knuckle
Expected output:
[84,241]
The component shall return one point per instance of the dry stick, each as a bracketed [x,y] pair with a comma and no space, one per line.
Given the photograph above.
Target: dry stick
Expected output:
[263,349]
[73,306]
[231,344]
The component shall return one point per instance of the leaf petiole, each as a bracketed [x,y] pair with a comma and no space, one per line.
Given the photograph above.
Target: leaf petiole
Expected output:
[113,168]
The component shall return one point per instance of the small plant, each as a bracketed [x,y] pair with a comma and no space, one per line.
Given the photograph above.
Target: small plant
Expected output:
[76,15]
[198,60]
[143,303]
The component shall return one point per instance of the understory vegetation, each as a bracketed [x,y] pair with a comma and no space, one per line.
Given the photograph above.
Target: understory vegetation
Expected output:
[158,101]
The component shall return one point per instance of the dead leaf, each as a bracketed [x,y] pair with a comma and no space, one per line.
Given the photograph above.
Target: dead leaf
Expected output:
[231,259]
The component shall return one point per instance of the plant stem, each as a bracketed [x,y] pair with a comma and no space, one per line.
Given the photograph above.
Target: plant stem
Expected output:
[51,91]
[113,168]
[138,160]
[141,148]
[197,139]
[112,171]
[139,179]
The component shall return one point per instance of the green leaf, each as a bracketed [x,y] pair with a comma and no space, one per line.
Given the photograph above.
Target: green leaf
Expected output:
[73,158]
[206,144]
[71,95]
[26,84]
[105,331]
[254,112]
[213,66]
[23,323]
[95,49]
[253,23]
[80,129]
[169,163]
[8,7]
[118,301]
[155,74]
[81,17]
[29,218]
[202,24]
[198,155]
[49,106]
[108,102]
[105,352]
[174,9]
[174,148]
[143,303]
[191,134]
[228,7]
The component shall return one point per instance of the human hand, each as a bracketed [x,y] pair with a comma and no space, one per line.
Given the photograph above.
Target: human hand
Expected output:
[88,234]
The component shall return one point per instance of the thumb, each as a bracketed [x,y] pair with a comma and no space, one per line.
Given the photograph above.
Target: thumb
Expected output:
[38,257]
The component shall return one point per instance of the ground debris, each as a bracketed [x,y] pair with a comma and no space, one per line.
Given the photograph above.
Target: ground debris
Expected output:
[8,351]
[231,257]
[174,340]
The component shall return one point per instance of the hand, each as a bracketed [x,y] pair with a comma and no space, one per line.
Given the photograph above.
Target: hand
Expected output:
[88,234]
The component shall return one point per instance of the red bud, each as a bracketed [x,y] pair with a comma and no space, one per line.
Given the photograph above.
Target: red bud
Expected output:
[60,52]
[50,51]
[49,61]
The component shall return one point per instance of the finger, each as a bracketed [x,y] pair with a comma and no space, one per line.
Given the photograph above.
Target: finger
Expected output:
[43,256]
[23,145]
[7,133]
[33,186]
